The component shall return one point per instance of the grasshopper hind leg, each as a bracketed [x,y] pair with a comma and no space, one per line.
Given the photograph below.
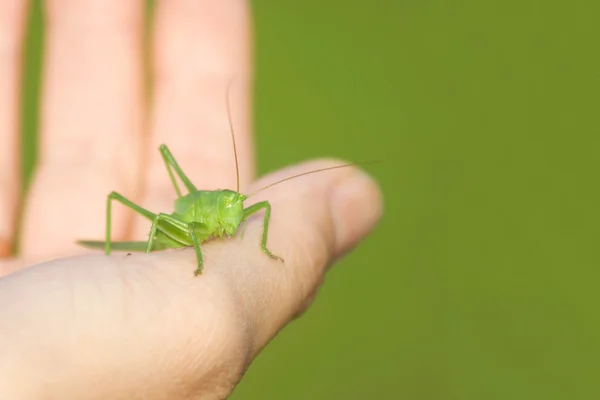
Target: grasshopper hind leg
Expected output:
[127,203]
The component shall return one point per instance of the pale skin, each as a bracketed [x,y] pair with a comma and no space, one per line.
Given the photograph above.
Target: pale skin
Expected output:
[143,323]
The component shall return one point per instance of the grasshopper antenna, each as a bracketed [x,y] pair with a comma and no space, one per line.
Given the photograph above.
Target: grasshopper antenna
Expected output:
[237,167]
[311,172]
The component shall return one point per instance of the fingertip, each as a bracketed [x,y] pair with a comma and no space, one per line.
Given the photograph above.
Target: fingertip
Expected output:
[5,248]
[356,207]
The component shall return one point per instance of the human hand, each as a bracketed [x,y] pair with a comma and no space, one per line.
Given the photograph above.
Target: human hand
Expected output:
[143,326]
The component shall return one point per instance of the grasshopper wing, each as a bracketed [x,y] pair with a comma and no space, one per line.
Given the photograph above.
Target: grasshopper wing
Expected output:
[125,246]
[116,246]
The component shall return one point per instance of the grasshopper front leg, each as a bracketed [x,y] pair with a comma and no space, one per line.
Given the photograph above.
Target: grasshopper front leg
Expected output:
[255,208]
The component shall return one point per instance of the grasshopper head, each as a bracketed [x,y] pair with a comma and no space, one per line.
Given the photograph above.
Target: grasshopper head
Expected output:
[231,210]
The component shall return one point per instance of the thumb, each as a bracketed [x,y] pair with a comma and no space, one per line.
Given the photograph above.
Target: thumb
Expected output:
[314,221]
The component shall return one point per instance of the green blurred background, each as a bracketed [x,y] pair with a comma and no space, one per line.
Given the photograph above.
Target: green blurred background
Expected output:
[481,280]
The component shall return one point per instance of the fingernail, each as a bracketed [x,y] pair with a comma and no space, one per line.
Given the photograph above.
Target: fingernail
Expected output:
[5,248]
[356,208]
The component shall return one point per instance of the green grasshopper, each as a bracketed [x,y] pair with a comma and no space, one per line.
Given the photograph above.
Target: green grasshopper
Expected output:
[199,215]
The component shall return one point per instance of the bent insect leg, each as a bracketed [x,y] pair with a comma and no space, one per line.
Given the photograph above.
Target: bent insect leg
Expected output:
[184,228]
[127,203]
[174,222]
[255,208]
[192,232]
[171,163]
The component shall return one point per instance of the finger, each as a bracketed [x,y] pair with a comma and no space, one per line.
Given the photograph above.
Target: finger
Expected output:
[199,46]
[91,117]
[315,220]
[12,27]
[173,335]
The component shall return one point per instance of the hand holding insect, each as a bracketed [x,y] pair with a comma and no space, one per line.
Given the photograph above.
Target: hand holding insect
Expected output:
[197,327]
[147,328]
